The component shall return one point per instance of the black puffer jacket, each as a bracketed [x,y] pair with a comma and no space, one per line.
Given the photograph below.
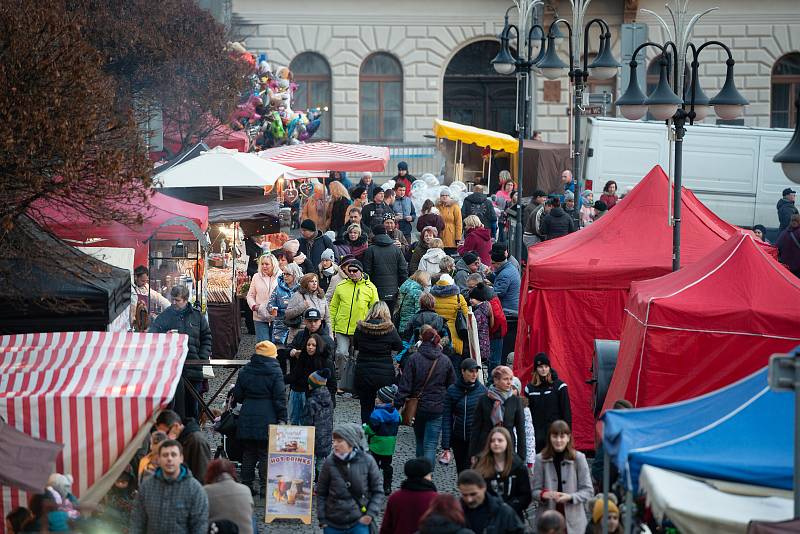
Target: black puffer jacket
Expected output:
[375,342]
[480,205]
[513,419]
[502,518]
[191,322]
[459,410]
[261,392]
[314,247]
[304,365]
[432,398]
[515,489]
[386,266]
[548,403]
[786,209]
[556,224]
[420,319]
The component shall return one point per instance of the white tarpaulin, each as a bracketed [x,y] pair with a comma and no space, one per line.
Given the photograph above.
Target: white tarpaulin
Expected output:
[221,167]
[698,507]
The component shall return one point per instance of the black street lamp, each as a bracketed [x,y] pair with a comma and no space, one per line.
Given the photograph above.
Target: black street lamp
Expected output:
[506,63]
[664,104]
[789,157]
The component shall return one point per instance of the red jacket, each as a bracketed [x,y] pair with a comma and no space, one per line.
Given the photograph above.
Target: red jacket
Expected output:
[479,240]
[405,508]
[500,325]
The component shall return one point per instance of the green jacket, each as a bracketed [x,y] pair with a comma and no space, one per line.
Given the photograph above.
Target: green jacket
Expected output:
[350,303]
[381,430]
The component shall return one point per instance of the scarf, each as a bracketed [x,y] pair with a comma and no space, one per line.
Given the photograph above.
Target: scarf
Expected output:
[417,484]
[498,409]
[345,457]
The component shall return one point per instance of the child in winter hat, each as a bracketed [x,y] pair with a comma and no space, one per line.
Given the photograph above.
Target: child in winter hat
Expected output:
[318,412]
[381,432]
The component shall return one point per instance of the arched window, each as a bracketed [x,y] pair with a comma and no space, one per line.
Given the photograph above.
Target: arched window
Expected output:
[312,74]
[785,84]
[381,98]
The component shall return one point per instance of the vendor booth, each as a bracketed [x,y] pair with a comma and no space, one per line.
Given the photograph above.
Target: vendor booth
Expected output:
[586,277]
[681,331]
[741,433]
[101,417]
[478,166]
[84,293]
[326,156]
[543,164]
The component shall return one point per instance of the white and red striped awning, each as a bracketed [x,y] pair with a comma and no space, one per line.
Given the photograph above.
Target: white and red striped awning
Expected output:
[325,156]
[94,392]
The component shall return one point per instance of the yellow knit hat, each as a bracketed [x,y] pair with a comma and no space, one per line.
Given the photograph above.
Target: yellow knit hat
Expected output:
[597,511]
[267,348]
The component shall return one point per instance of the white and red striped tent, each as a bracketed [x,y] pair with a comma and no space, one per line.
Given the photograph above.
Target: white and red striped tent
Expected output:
[97,393]
[325,156]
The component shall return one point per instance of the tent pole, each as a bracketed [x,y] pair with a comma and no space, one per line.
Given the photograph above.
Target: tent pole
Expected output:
[606,489]
[628,511]
[489,175]
[220,192]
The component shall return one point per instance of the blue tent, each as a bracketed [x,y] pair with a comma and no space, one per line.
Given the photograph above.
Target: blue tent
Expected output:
[742,433]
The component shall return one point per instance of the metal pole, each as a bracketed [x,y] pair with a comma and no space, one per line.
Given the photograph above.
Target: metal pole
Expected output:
[521,122]
[606,488]
[576,157]
[628,511]
[680,130]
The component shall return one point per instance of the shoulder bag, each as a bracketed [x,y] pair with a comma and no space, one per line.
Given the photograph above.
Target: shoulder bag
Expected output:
[461,320]
[409,410]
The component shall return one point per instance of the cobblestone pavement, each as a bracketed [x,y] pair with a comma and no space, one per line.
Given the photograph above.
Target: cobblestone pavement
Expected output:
[347,410]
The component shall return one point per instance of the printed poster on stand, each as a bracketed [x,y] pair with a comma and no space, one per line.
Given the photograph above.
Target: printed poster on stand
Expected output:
[290,473]
[474,344]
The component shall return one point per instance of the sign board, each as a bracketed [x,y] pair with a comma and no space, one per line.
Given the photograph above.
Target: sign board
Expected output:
[591,111]
[474,343]
[290,473]
[782,373]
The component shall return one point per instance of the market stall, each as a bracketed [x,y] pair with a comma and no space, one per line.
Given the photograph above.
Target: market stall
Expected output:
[488,140]
[117,382]
[326,156]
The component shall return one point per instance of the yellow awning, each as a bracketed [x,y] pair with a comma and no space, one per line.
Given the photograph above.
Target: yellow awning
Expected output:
[477,136]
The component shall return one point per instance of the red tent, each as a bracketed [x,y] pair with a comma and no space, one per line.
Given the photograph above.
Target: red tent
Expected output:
[705,326]
[577,285]
[74,227]
[330,156]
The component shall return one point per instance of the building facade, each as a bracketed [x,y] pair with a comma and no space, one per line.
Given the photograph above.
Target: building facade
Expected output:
[387,69]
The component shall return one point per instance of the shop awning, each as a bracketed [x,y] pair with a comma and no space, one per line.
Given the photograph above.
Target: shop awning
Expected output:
[475,136]
[330,157]
[97,393]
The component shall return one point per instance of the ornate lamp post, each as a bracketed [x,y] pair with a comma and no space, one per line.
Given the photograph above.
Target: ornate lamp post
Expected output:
[680,99]
[789,157]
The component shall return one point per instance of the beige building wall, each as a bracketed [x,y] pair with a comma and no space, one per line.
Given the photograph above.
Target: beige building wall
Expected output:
[425,34]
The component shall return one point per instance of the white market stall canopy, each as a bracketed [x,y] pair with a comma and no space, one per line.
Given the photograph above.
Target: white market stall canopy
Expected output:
[97,393]
[698,506]
[222,167]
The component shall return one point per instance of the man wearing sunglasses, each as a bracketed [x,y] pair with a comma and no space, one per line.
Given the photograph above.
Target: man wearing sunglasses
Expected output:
[352,299]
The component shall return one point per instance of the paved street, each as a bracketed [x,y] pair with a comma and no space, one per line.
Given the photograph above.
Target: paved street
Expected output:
[347,410]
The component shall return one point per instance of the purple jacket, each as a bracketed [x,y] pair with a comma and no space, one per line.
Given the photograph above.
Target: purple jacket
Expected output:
[432,399]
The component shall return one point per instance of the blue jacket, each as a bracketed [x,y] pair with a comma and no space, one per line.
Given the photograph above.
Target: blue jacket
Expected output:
[381,430]
[262,393]
[459,407]
[404,206]
[280,300]
[506,285]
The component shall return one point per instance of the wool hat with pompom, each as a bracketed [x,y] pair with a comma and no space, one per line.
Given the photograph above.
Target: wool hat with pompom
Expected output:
[318,378]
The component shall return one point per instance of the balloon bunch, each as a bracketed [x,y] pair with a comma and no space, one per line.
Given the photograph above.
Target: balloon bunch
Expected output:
[428,186]
[266,109]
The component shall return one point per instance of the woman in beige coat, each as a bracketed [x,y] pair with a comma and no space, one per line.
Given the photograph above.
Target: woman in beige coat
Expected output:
[451,214]
[262,285]
[570,496]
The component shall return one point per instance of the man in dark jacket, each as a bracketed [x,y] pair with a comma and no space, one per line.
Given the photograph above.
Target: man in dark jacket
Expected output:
[385,265]
[187,320]
[786,208]
[468,264]
[195,448]
[171,501]
[313,243]
[479,204]
[459,406]
[484,512]
[373,212]
[556,223]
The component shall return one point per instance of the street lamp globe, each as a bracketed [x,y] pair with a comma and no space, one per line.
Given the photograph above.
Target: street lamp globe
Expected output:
[789,157]
[701,102]
[662,102]
[631,103]
[504,62]
[551,65]
[604,67]
[729,103]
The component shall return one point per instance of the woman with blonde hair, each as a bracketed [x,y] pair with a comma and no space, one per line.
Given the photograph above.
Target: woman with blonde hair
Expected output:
[434,254]
[262,285]
[505,473]
[478,239]
[499,407]
[288,284]
[315,207]
[309,295]
[451,215]
[336,213]
[561,478]
[375,338]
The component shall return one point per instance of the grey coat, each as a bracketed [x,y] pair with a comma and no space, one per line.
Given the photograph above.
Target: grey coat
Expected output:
[335,505]
[319,414]
[227,499]
[167,506]
[576,480]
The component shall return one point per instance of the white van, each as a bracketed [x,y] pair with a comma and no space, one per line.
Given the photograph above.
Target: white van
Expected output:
[729,168]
